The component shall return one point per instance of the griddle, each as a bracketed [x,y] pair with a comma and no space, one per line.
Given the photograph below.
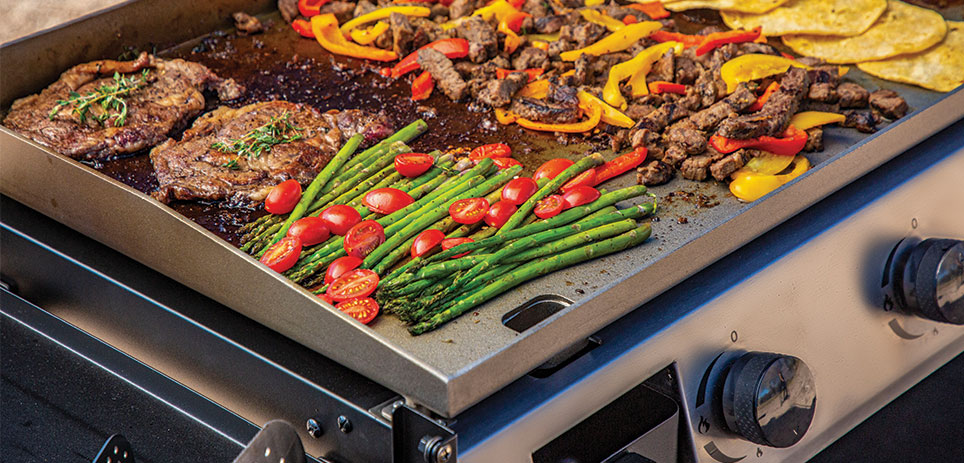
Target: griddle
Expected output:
[470,358]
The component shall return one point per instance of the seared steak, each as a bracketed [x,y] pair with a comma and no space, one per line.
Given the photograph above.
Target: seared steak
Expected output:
[163,101]
[889,103]
[740,99]
[654,173]
[852,95]
[196,168]
[498,92]
[773,118]
[443,72]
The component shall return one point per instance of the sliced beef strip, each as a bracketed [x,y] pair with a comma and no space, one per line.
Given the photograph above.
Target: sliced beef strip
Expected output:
[687,136]
[363,7]
[483,42]
[403,34]
[814,140]
[289,9]
[889,103]
[583,68]
[661,117]
[443,73]
[619,139]
[731,163]
[559,46]
[811,105]
[654,173]
[698,167]
[852,95]
[754,48]
[773,118]
[538,9]
[530,58]
[810,61]
[739,100]
[823,92]
[583,34]
[862,120]
[636,111]
[544,110]
[663,69]
[498,92]
[344,11]
[247,24]
[687,71]
[171,97]
[461,8]
[548,24]
[562,94]
[649,139]
[674,155]
[469,70]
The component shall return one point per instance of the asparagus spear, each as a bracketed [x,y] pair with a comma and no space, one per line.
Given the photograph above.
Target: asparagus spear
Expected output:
[405,135]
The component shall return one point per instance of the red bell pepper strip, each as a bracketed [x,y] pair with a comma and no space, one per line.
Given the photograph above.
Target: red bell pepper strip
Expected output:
[515,3]
[654,10]
[661,86]
[686,40]
[758,104]
[790,143]
[309,8]
[629,19]
[422,86]
[302,27]
[533,73]
[451,48]
[717,39]
[514,20]
[787,56]
[620,165]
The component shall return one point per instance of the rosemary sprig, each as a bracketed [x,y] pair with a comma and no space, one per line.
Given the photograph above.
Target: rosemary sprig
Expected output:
[109,96]
[260,140]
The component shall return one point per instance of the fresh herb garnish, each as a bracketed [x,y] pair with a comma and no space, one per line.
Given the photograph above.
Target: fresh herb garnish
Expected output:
[110,96]
[260,140]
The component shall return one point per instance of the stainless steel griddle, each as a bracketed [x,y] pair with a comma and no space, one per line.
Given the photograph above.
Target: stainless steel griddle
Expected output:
[452,368]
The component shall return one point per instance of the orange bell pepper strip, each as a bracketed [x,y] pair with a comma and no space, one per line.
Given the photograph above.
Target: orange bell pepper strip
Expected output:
[533,73]
[504,116]
[593,110]
[717,39]
[686,39]
[758,104]
[325,28]
[790,143]
[661,86]
[309,8]
[654,10]
[629,19]
[536,89]
[512,40]
[422,86]
[544,46]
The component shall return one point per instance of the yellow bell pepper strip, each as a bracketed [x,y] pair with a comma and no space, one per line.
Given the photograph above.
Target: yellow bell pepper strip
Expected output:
[325,28]
[543,37]
[790,143]
[810,119]
[368,35]
[617,41]
[544,46]
[638,65]
[754,66]
[383,13]
[594,2]
[512,40]
[768,163]
[499,9]
[610,115]
[654,10]
[504,116]
[537,89]
[718,39]
[602,19]
[749,186]
[588,106]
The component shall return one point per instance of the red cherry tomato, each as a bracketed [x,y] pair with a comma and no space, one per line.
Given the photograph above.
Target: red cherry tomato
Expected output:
[283,197]
[387,200]
[468,211]
[550,206]
[340,218]
[453,242]
[492,150]
[282,255]
[341,266]
[551,168]
[518,190]
[363,310]
[579,195]
[363,238]
[312,230]
[357,283]
[412,165]
[426,241]
[587,178]
[505,163]
[499,214]
[327,299]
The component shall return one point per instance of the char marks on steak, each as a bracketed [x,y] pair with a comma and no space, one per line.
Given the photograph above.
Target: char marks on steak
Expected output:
[443,72]
[171,97]
[730,163]
[483,42]
[862,120]
[852,95]
[776,112]
[498,92]
[191,169]
[739,100]
[654,173]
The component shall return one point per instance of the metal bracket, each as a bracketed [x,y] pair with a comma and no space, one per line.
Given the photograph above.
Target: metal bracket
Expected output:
[417,438]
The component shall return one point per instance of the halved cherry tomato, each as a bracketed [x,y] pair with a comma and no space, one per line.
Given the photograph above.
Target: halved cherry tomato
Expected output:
[518,190]
[387,200]
[312,230]
[340,218]
[469,210]
[341,266]
[579,196]
[426,241]
[363,238]
[354,284]
[422,86]
[621,164]
[453,242]
[505,163]
[492,150]
[499,214]
[550,206]
[412,165]
[587,178]
[363,310]
[282,255]
[309,8]
[303,28]
[327,299]
[551,168]
[283,197]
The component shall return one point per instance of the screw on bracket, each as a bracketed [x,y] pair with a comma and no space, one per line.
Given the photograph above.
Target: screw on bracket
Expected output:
[434,451]
[344,424]
[314,428]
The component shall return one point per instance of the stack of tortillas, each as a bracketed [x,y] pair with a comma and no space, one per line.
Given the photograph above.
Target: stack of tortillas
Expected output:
[886,38]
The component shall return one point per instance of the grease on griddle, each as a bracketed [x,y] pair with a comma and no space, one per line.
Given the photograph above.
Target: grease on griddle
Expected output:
[697,199]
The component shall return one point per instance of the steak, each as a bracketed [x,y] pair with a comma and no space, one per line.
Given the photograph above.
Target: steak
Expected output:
[740,99]
[698,167]
[194,168]
[498,92]
[852,95]
[163,102]
[443,72]
[776,113]
[730,163]
[483,41]
[889,103]
[654,173]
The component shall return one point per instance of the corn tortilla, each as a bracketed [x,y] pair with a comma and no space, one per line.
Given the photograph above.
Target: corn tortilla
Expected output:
[745,6]
[816,17]
[940,67]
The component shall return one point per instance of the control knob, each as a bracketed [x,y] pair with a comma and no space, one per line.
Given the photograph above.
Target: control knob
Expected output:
[769,399]
[928,280]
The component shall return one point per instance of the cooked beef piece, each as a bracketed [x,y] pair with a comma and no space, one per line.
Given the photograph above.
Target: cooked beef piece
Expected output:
[544,111]
[661,117]
[740,99]
[469,70]
[374,126]
[403,33]
[698,167]
[654,173]
[439,12]
[810,61]
[685,135]
[247,24]
[620,138]
[498,92]
[773,118]
[862,120]
[754,48]
[663,69]
[384,40]
[712,29]
[618,11]
[548,24]
[639,110]
[289,9]
[563,94]
[461,8]
[344,11]
[706,87]
[692,101]
[192,169]
[852,95]
[443,72]
[686,71]
[483,41]
[674,155]
[825,75]
[559,46]
[538,9]
[426,31]
[823,92]
[583,68]
[814,140]
[889,103]
[731,163]
[363,7]
[529,58]
[811,105]
[170,96]
[583,33]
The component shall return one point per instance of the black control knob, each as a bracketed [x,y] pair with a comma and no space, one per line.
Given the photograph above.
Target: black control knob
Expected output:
[769,399]
[928,280]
